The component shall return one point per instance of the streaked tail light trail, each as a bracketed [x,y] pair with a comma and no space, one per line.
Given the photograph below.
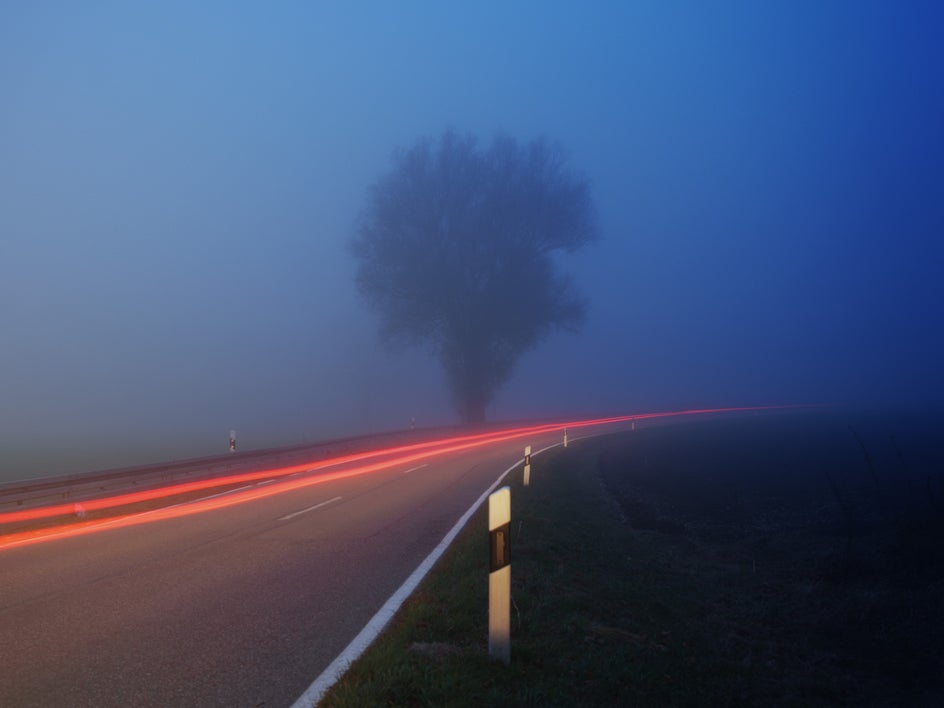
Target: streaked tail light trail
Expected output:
[320,472]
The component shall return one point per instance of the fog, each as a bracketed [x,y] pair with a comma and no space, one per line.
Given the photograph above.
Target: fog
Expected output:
[178,185]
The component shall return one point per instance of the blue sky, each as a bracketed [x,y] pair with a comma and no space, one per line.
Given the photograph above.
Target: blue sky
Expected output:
[178,182]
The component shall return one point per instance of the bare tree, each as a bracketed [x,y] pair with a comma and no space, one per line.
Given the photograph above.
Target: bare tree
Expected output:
[455,251]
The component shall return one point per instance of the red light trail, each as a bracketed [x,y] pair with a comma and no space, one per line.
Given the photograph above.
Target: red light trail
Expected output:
[399,455]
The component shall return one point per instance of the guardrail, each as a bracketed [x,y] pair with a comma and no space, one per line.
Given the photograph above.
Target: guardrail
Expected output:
[24,494]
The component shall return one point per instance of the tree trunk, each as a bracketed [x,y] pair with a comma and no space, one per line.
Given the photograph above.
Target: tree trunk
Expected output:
[473,410]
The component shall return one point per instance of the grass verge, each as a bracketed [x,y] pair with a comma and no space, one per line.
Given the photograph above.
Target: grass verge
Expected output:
[757,560]
[597,617]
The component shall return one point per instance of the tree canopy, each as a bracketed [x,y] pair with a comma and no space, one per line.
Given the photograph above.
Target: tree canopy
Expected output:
[455,251]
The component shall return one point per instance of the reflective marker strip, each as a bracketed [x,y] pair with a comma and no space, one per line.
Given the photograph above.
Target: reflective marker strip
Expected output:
[499,548]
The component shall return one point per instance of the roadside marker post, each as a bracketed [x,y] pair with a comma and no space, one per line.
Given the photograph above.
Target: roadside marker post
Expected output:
[565,437]
[527,466]
[232,441]
[499,575]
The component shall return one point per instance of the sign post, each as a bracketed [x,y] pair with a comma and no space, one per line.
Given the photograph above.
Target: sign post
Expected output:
[499,575]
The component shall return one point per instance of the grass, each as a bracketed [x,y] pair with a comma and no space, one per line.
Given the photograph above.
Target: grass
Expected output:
[777,560]
[597,617]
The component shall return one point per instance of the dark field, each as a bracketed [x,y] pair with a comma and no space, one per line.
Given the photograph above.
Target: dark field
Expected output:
[811,545]
[777,559]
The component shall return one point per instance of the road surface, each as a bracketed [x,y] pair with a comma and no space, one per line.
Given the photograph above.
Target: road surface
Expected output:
[239,598]
[242,605]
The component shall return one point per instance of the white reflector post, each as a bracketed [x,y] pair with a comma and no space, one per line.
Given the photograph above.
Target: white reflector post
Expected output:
[565,437]
[527,465]
[499,575]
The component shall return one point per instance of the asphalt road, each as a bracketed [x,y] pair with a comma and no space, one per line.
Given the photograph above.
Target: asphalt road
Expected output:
[237,606]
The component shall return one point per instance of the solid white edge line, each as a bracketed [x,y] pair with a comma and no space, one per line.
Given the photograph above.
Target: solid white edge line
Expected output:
[374,627]
[311,508]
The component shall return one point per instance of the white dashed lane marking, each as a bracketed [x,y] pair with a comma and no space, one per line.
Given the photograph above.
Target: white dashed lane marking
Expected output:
[311,508]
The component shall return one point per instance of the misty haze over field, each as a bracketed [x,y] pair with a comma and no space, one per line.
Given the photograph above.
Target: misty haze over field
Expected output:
[179,185]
